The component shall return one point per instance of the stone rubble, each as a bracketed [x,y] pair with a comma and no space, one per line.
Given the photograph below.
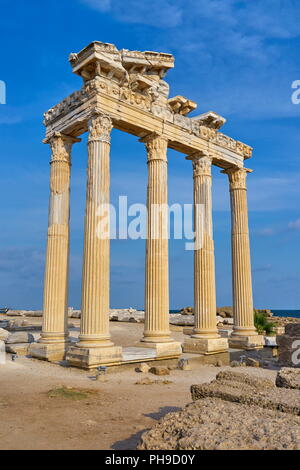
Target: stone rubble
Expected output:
[270,417]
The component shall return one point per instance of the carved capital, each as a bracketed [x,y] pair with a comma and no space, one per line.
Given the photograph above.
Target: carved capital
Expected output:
[100,126]
[237,178]
[202,163]
[61,146]
[156,146]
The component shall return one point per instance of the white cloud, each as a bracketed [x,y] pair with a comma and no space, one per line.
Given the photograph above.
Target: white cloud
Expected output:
[165,14]
[295,225]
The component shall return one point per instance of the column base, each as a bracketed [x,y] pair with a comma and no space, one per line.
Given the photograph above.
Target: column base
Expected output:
[246,342]
[90,358]
[48,351]
[169,349]
[205,346]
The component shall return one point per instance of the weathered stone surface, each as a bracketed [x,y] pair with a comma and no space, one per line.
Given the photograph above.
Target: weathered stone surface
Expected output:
[143,367]
[292,329]
[4,334]
[250,362]
[183,364]
[15,313]
[242,388]
[288,350]
[159,370]
[212,424]
[18,348]
[288,378]
[20,337]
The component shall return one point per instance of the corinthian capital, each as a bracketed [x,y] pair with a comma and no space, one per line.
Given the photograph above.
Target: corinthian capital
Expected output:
[237,177]
[61,146]
[100,126]
[202,162]
[156,146]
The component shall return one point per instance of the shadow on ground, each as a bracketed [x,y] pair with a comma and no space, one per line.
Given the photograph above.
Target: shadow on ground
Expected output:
[131,442]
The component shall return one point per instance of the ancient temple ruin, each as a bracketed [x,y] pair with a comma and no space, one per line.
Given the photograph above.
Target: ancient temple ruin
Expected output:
[126,90]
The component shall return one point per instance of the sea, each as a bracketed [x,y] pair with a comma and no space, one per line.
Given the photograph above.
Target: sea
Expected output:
[276,313]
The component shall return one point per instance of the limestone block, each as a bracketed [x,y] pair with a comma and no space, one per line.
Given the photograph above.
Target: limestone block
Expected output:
[2,353]
[205,345]
[51,352]
[20,337]
[183,364]
[288,350]
[250,362]
[143,367]
[18,348]
[247,342]
[213,424]
[252,391]
[4,334]
[288,378]
[168,350]
[292,329]
[159,370]
[90,358]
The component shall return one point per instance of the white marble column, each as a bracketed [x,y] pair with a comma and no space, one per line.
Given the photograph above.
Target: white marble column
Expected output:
[52,343]
[157,329]
[244,332]
[95,346]
[205,338]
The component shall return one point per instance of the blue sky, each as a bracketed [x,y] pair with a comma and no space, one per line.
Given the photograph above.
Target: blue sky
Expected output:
[238,58]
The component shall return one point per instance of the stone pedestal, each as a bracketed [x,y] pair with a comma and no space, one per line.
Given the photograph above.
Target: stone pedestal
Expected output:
[157,331]
[205,338]
[54,338]
[244,333]
[95,346]
[289,346]
[253,341]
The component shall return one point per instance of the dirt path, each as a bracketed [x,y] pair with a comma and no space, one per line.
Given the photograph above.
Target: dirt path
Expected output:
[112,415]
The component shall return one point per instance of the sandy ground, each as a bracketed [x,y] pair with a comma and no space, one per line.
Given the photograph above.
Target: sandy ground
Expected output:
[112,416]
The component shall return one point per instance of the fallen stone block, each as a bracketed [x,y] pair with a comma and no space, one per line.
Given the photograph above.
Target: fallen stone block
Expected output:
[4,334]
[213,424]
[20,337]
[288,350]
[18,348]
[288,378]
[159,370]
[183,364]
[143,367]
[15,313]
[250,362]
[33,313]
[292,329]
[242,388]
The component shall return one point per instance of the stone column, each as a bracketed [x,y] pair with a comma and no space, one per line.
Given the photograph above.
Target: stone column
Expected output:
[95,346]
[205,338]
[53,340]
[157,330]
[244,333]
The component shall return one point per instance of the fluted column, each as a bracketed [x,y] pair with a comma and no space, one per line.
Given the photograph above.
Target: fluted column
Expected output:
[204,255]
[205,338]
[94,330]
[157,259]
[54,330]
[95,346]
[241,260]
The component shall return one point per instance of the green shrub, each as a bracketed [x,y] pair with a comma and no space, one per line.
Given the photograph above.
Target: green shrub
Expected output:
[262,324]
